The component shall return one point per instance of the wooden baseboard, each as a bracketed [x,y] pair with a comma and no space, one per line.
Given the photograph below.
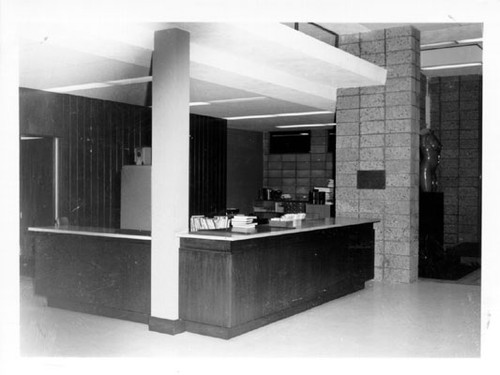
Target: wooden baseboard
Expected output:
[170,327]
[230,332]
[97,310]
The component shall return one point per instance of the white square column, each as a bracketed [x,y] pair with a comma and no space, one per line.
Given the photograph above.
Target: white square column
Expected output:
[170,174]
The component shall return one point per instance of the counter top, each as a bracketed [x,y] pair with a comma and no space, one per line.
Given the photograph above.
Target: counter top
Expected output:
[95,232]
[265,230]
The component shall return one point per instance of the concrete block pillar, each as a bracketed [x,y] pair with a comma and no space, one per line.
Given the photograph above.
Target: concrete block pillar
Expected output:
[378,130]
[170,174]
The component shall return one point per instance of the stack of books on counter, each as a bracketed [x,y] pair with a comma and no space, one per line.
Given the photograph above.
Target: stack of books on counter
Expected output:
[242,223]
[200,222]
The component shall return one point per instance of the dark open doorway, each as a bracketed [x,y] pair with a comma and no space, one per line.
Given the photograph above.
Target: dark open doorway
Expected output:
[37,198]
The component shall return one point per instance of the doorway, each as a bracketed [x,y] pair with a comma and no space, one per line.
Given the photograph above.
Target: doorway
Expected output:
[37,192]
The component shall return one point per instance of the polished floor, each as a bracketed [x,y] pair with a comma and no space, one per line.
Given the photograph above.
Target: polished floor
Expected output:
[423,319]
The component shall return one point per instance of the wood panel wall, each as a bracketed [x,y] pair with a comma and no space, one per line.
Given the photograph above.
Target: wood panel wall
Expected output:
[245,168]
[97,138]
[35,186]
[208,169]
[101,139]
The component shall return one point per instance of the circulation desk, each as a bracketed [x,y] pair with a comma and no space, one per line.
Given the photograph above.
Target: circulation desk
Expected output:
[231,283]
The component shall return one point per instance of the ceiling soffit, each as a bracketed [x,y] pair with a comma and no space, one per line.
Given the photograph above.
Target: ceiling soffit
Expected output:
[294,72]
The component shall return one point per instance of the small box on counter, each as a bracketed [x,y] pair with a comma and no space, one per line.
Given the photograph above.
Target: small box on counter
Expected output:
[318,211]
[288,220]
[281,224]
[243,230]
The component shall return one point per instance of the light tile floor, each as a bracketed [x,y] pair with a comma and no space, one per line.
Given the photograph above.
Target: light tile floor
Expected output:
[423,319]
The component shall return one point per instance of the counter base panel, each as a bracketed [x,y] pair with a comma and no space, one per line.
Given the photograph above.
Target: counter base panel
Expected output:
[230,332]
[228,288]
[95,275]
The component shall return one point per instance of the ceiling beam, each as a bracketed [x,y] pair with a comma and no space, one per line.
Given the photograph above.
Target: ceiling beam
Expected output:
[344,28]
[227,70]
[452,56]
[450,34]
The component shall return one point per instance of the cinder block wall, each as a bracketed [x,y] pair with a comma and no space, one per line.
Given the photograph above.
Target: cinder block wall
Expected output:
[378,129]
[296,174]
[456,120]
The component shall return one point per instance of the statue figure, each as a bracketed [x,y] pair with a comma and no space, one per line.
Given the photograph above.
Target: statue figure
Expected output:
[430,154]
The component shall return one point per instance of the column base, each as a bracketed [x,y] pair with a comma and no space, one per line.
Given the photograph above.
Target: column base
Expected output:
[170,327]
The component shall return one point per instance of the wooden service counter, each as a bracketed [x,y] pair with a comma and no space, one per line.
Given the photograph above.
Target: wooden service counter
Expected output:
[231,283]
[94,270]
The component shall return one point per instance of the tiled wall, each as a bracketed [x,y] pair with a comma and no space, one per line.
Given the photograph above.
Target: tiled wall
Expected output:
[378,129]
[296,174]
[456,120]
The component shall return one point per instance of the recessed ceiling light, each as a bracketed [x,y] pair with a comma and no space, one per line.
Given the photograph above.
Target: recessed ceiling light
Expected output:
[451,66]
[474,40]
[237,100]
[452,42]
[24,138]
[195,104]
[130,81]
[438,44]
[85,86]
[306,125]
[279,115]
[98,85]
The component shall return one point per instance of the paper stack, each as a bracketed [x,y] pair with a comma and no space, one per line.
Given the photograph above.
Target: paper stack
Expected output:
[243,223]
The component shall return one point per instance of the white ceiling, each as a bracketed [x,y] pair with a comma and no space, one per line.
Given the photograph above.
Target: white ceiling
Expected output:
[439,44]
[268,68]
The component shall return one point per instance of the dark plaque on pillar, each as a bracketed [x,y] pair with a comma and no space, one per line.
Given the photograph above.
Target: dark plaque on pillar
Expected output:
[371,179]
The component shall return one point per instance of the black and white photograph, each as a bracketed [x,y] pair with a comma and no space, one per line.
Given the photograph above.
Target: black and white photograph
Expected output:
[248,186]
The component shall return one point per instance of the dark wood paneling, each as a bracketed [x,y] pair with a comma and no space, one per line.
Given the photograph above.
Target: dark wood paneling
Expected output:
[245,168]
[36,189]
[212,284]
[361,252]
[207,174]
[244,284]
[96,139]
[100,275]
[41,113]
[285,271]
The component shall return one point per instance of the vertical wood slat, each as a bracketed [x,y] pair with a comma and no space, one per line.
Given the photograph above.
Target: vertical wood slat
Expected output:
[207,165]
[73,166]
[101,166]
[79,208]
[104,165]
[88,164]
[204,182]
[91,158]
[109,169]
